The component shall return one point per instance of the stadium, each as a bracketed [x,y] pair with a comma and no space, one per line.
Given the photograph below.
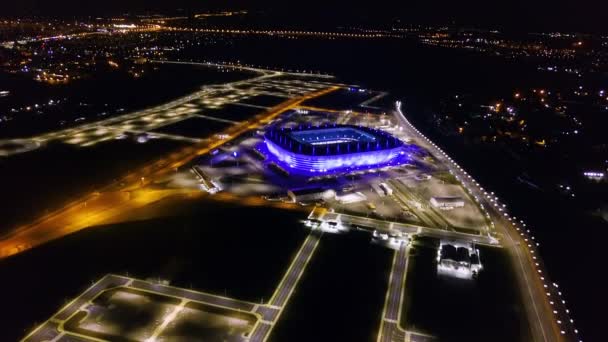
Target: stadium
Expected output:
[332,148]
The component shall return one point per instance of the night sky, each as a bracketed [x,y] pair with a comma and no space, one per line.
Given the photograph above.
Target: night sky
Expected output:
[572,15]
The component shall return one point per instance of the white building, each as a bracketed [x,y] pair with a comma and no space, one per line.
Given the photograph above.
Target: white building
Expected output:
[447,202]
[460,261]
[351,198]
[310,194]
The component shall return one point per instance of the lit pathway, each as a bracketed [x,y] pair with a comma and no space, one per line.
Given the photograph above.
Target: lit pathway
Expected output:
[286,287]
[389,327]
[267,314]
[54,327]
[408,228]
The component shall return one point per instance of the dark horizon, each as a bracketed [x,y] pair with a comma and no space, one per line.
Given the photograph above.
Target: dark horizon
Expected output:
[521,16]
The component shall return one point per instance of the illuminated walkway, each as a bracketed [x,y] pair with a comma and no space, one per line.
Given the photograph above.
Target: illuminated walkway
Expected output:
[281,295]
[390,330]
[57,328]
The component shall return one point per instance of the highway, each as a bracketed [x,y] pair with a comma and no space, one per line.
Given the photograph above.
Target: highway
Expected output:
[290,33]
[547,317]
[94,210]
[118,198]
[147,28]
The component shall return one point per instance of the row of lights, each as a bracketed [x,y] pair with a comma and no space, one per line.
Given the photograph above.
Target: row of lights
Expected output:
[238,64]
[524,233]
[281,32]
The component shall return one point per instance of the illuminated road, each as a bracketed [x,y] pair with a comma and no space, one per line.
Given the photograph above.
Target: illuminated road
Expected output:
[290,33]
[286,287]
[94,132]
[373,224]
[93,210]
[243,67]
[295,271]
[390,330]
[547,317]
[130,192]
[54,327]
[268,314]
[149,28]
[389,326]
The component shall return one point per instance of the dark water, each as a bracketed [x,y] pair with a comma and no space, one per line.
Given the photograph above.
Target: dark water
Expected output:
[208,247]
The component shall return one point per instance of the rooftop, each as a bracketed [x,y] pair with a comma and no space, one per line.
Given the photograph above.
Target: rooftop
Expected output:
[332,139]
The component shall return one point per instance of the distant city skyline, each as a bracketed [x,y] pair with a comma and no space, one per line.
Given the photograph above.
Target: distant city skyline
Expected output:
[544,15]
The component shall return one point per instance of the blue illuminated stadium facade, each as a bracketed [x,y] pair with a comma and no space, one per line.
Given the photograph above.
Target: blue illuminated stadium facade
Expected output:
[331,148]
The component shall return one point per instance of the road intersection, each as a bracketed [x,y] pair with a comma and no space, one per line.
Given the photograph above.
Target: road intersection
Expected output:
[547,315]
[548,318]
[390,329]
[115,199]
[267,314]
